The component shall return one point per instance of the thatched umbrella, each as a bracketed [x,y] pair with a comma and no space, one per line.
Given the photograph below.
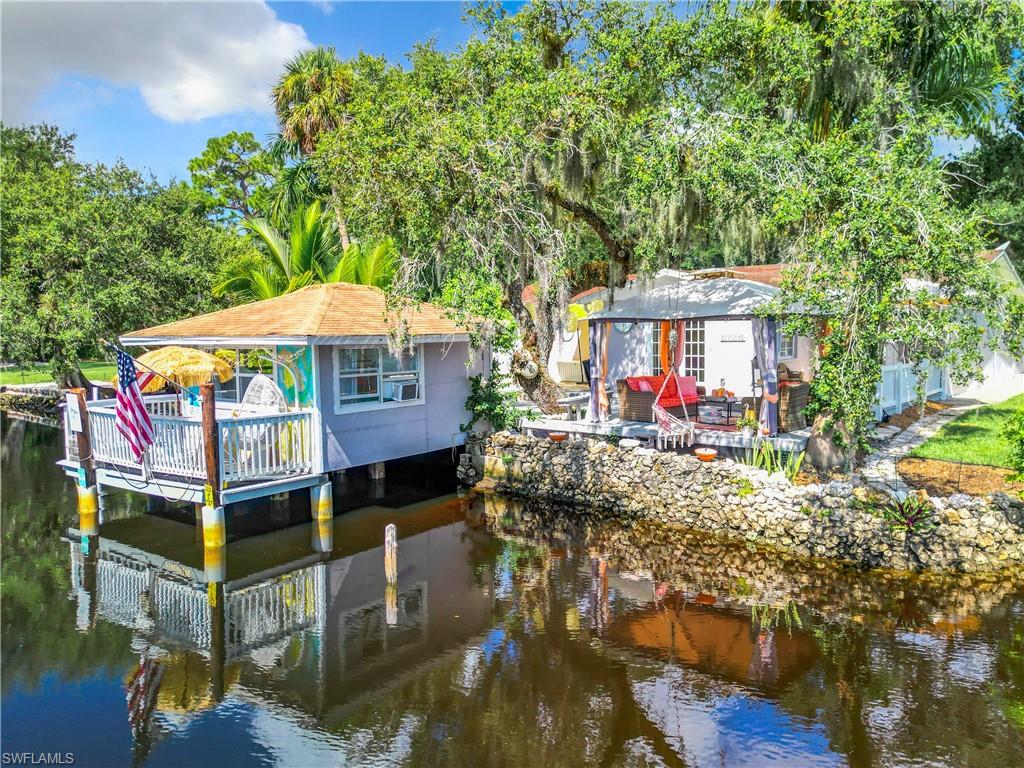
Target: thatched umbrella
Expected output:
[184,366]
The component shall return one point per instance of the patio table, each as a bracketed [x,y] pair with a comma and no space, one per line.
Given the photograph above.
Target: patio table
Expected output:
[719,410]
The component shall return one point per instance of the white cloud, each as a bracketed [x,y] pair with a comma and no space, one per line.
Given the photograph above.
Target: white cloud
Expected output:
[189,61]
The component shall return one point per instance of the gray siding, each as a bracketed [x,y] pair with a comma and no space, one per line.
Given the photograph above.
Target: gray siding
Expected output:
[356,439]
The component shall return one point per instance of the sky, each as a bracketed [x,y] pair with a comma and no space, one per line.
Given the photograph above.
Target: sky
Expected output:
[150,82]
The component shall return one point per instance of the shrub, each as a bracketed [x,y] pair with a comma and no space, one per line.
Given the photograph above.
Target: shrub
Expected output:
[490,399]
[1013,433]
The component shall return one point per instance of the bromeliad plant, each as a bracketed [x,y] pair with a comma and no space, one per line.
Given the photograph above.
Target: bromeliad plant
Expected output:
[912,514]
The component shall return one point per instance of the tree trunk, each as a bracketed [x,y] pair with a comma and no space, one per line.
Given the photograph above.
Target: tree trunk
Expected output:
[342,227]
[541,389]
[73,378]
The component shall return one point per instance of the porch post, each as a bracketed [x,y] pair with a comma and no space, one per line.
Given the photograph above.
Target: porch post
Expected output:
[211,448]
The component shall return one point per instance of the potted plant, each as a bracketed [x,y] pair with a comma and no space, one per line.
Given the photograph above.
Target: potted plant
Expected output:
[747,423]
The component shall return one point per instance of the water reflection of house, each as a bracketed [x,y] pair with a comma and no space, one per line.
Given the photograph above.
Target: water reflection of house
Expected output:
[308,628]
[716,640]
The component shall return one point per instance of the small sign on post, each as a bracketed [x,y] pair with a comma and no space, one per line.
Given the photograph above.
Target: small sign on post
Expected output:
[208,495]
[74,412]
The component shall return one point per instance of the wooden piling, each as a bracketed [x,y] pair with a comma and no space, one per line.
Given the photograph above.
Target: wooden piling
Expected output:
[82,438]
[211,445]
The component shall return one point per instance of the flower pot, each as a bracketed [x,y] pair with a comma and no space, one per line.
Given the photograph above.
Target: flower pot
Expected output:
[747,431]
[557,437]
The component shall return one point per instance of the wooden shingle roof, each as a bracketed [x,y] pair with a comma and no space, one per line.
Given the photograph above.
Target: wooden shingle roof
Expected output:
[327,311]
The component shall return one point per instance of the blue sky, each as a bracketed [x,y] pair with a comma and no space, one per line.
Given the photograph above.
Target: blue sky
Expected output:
[151,82]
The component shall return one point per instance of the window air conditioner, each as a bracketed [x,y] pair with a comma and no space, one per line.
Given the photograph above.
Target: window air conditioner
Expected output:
[403,391]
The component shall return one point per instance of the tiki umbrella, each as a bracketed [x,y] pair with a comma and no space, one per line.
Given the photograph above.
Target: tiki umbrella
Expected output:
[185,366]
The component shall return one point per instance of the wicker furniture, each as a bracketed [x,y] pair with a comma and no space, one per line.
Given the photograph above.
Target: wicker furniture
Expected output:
[793,398]
[636,406]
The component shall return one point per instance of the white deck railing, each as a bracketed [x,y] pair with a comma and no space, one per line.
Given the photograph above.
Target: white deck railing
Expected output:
[253,447]
[898,387]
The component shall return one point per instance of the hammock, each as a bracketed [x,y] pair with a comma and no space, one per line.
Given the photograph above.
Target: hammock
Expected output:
[673,432]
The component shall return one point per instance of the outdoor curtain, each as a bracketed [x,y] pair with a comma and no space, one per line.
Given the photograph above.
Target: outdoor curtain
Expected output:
[598,410]
[768,363]
[664,353]
[677,357]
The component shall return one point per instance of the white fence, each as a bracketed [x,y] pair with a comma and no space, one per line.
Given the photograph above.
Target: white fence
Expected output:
[898,387]
[252,447]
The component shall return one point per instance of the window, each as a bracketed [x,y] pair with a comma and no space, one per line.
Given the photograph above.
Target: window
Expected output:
[656,350]
[785,344]
[693,350]
[370,377]
[233,390]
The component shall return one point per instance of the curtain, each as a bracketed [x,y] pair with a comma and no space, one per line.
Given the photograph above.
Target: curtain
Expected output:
[768,363]
[664,350]
[598,410]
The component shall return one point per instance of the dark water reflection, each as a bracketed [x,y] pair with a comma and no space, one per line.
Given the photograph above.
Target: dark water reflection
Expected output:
[517,636]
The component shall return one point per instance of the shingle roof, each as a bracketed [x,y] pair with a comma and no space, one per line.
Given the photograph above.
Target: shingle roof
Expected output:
[327,310]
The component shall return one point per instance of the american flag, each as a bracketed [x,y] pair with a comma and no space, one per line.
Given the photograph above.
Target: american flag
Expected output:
[132,420]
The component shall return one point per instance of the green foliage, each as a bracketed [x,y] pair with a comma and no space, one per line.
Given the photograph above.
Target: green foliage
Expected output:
[92,251]
[766,617]
[1013,433]
[765,456]
[743,487]
[490,400]
[234,174]
[913,513]
[476,302]
[370,264]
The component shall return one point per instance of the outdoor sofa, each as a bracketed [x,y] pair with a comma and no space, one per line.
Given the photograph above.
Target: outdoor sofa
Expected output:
[636,406]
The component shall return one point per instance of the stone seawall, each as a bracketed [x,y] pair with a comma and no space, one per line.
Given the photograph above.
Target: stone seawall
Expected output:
[833,520]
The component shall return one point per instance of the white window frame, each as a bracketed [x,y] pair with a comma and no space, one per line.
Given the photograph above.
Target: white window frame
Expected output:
[695,347]
[779,337]
[340,408]
[656,349]
[239,389]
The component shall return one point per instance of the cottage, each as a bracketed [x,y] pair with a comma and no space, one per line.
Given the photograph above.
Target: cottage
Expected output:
[350,400]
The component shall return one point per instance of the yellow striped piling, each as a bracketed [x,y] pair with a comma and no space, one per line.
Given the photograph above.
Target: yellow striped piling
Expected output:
[321,502]
[88,510]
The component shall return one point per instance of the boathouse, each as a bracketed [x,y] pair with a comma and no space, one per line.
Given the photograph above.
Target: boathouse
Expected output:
[348,398]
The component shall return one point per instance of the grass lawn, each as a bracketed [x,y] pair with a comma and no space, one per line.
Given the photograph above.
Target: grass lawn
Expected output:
[95,370]
[974,437]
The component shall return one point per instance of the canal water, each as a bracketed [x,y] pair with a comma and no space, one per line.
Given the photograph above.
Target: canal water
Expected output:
[516,636]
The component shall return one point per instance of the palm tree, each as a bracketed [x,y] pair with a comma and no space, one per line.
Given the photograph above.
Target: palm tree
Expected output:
[309,253]
[366,264]
[292,261]
[310,101]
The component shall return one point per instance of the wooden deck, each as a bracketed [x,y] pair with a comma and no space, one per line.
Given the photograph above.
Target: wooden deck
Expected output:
[258,454]
[644,431]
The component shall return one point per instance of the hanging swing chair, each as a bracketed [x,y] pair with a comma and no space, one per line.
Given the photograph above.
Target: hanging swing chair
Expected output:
[673,432]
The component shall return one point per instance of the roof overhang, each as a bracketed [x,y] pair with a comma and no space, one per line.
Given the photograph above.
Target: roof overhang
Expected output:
[279,341]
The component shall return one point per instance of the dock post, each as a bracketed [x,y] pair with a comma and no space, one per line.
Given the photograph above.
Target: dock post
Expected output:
[391,575]
[214,535]
[376,470]
[321,505]
[88,510]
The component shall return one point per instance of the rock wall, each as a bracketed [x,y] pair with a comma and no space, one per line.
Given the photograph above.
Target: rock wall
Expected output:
[833,520]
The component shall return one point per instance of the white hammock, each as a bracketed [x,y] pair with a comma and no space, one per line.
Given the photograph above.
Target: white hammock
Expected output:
[673,432]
